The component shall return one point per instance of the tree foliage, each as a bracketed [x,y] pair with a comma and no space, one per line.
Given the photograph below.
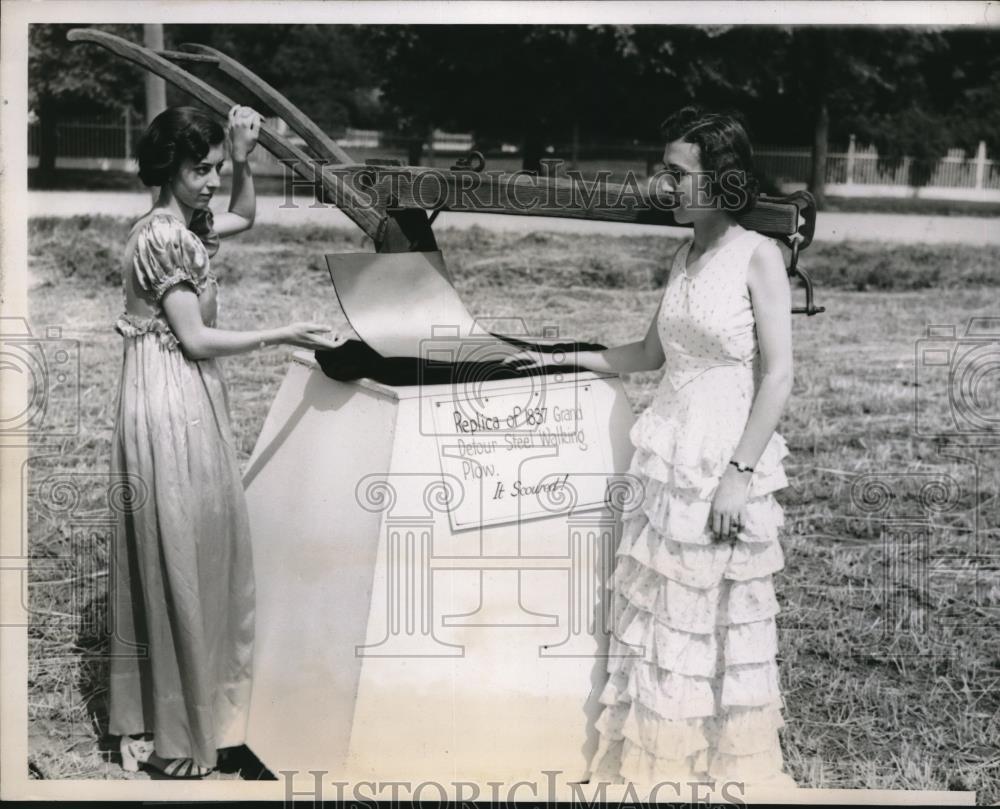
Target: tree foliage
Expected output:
[907,90]
[323,69]
[66,79]
[529,84]
[80,78]
[791,84]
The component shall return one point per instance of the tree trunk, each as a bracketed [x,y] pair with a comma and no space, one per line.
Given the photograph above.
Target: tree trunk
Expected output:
[532,152]
[817,180]
[414,151]
[574,157]
[415,147]
[48,146]
[156,88]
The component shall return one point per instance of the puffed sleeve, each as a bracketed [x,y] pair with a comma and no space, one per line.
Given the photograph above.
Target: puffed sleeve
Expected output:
[203,226]
[167,254]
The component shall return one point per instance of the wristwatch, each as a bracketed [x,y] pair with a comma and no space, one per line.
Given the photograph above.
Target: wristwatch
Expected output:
[740,467]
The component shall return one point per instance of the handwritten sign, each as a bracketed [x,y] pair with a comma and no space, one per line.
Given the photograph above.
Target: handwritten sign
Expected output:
[523,454]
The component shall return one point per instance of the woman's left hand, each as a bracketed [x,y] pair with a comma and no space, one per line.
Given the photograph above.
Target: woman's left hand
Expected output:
[729,504]
[244,129]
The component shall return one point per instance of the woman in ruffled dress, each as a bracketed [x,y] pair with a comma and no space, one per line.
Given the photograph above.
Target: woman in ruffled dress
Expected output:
[182,589]
[693,691]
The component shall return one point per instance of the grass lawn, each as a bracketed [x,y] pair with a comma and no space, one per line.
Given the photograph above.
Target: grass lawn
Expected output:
[927,207]
[886,686]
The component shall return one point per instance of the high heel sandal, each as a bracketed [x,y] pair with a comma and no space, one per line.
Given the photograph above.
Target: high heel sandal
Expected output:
[136,751]
[181,768]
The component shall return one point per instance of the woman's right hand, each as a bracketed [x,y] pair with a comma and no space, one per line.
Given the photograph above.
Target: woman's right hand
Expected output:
[243,131]
[309,335]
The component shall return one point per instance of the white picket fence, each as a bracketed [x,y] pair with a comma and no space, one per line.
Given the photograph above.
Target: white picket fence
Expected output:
[857,172]
[107,143]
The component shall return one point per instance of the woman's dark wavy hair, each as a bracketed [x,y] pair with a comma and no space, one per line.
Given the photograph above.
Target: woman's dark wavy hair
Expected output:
[724,149]
[176,134]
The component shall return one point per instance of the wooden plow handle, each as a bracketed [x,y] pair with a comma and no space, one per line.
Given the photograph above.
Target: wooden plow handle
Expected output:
[353,204]
[392,211]
[322,145]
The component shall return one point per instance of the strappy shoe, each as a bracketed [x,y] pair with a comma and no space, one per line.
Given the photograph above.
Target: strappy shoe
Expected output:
[181,768]
[135,750]
[140,750]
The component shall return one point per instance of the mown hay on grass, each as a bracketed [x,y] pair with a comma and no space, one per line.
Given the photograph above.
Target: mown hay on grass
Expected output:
[89,247]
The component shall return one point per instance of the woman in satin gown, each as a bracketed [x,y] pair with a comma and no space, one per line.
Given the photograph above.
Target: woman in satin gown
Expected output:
[182,588]
[692,693]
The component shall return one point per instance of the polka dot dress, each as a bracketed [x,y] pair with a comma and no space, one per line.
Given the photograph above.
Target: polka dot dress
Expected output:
[693,691]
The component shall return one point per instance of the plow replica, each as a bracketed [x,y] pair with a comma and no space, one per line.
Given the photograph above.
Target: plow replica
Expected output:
[432,532]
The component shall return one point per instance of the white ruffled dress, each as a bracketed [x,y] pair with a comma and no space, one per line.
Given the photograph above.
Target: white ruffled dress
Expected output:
[693,691]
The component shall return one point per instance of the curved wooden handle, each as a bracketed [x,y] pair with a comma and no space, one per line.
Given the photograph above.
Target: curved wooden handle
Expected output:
[355,206]
[303,126]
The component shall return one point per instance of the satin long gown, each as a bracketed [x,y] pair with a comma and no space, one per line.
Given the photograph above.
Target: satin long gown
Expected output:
[182,589]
